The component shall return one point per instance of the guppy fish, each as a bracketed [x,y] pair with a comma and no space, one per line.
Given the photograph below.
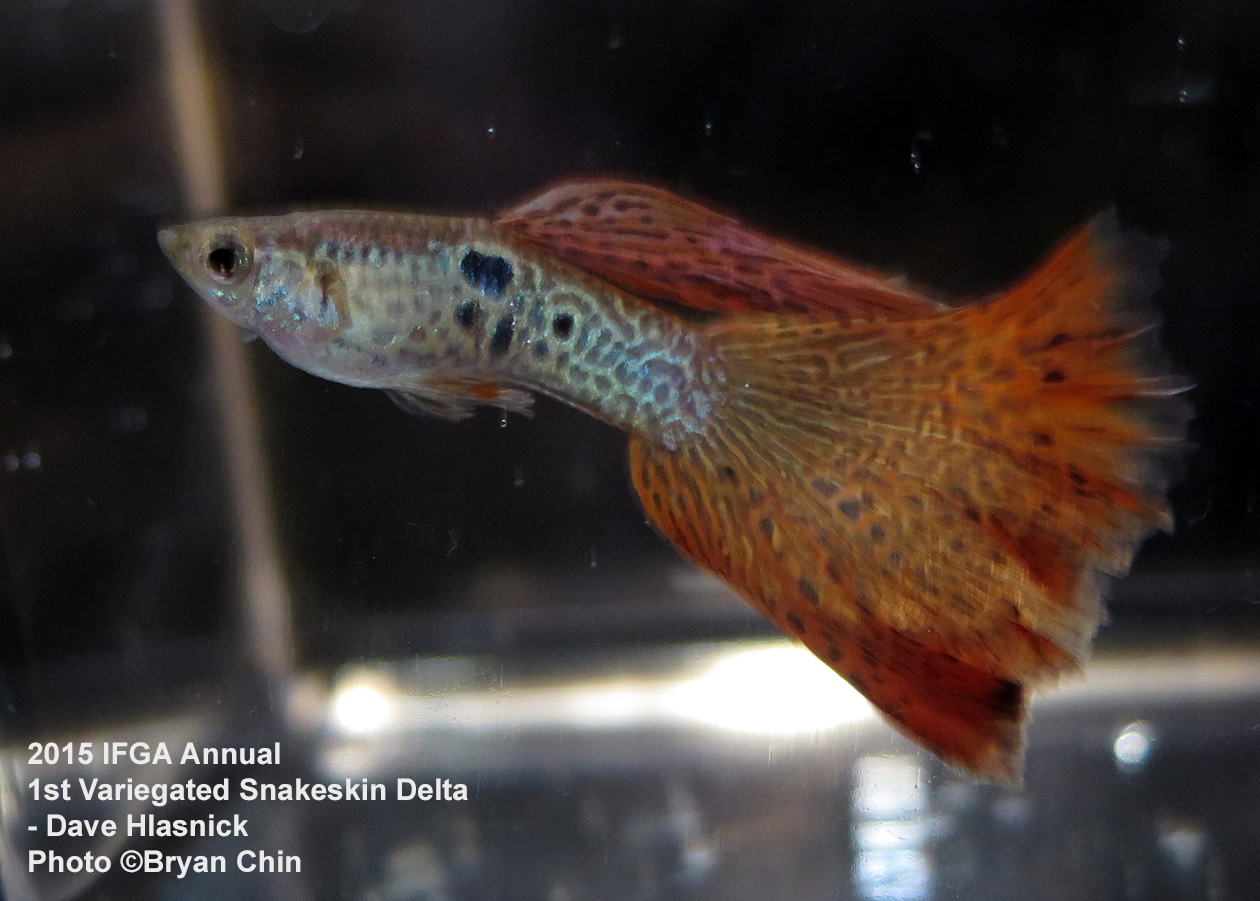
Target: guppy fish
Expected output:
[924,495]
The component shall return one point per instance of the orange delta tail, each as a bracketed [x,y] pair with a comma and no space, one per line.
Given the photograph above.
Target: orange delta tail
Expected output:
[926,503]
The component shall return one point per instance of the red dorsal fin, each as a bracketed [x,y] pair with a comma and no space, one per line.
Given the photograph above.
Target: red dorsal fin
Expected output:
[652,242]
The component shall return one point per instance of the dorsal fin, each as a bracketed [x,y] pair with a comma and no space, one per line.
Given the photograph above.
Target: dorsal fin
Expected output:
[655,243]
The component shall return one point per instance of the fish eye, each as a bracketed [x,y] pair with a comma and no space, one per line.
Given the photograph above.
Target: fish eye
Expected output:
[227,259]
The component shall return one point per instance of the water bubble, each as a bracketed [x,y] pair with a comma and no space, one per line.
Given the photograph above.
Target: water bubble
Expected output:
[298,148]
[31,460]
[708,125]
[6,349]
[916,150]
[615,39]
[490,132]
[12,462]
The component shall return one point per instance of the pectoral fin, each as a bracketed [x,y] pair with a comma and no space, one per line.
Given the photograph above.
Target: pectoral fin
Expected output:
[456,399]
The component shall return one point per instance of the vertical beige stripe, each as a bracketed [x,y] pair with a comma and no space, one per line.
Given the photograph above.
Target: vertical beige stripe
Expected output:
[263,592]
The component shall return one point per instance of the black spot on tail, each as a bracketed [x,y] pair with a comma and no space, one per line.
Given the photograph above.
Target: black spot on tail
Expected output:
[488,274]
[1008,700]
[808,591]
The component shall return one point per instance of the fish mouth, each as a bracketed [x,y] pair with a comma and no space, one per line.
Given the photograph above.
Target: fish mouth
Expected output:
[169,241]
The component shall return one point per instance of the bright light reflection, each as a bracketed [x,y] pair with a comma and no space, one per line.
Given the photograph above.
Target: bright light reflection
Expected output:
[361,708]
[768,691]
[1133,746]
[775,690]
[890,830]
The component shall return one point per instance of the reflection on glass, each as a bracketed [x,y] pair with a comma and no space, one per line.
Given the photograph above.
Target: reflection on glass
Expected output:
[361,708]
[770,689]
[890,830]
[779,689]
[1133,746]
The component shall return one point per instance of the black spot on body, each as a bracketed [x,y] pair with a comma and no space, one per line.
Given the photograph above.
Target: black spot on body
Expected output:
[501,340]
[562,325]
[850,507]
[540,349]
[767,526]
[797,624]
[488,274]
[466,314]
[834,654]
[1054,377]
[878,533]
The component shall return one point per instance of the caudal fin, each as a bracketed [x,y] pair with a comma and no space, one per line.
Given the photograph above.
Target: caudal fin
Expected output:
[926,503]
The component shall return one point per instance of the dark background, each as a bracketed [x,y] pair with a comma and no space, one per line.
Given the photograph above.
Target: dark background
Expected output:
[952,142]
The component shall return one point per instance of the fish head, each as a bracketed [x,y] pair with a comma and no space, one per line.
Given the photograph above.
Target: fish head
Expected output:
[218,259]
[261,275]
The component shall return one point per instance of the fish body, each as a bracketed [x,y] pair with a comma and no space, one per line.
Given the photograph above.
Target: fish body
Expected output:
[921,494]
[448,312]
